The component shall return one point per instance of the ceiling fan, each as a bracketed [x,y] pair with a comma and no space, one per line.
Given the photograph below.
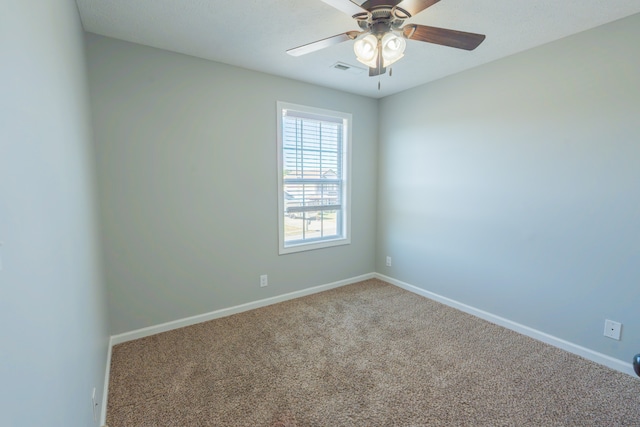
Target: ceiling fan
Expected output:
[382,39]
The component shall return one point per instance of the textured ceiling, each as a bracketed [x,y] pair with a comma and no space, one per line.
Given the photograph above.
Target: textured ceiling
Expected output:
[255,34]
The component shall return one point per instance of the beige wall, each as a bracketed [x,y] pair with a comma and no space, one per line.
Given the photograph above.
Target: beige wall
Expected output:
[515,187]
[53,326]
[188,184]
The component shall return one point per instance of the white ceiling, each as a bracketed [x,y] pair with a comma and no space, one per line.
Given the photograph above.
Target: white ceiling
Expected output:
[255,34]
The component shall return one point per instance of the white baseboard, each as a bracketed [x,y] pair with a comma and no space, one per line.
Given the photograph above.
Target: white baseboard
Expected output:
[105,391]
[188,321]
[589,354]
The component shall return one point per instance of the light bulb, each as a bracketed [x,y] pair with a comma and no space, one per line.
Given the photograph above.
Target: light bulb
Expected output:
[366,50]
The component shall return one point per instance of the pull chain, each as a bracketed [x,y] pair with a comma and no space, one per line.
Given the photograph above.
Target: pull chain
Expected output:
[379,61]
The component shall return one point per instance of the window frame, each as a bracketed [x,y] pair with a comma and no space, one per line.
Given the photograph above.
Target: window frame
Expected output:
[344,237]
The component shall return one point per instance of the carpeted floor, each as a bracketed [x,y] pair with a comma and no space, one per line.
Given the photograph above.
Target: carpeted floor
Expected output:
[368,354]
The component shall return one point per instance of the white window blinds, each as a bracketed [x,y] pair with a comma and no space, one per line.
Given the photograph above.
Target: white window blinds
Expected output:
[313,185]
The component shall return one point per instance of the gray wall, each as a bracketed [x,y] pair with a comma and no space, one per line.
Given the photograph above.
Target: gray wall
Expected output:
[188,185]
[53,329]
[515,187]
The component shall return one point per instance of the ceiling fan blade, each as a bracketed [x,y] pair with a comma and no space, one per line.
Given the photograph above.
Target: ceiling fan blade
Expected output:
[416,6]
[442,36]
[321,44]
[346,6]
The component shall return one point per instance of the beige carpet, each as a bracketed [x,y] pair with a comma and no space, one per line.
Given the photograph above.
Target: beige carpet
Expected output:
[368,354]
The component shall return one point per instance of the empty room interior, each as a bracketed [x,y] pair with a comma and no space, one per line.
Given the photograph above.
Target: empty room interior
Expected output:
[144,190]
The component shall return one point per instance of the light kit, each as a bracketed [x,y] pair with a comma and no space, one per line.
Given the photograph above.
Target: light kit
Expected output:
[379,51]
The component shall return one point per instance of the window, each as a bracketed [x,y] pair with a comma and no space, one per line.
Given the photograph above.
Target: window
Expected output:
[313,178]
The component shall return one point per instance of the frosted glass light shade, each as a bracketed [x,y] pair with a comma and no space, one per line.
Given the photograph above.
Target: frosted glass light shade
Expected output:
[366,50]
[392,48]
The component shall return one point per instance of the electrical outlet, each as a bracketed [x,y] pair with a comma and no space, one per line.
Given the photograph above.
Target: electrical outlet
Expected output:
[388,261]
[94,405]
[612,329]
[264,280]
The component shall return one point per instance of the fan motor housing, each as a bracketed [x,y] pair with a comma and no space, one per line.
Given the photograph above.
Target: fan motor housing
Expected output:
[382,19]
